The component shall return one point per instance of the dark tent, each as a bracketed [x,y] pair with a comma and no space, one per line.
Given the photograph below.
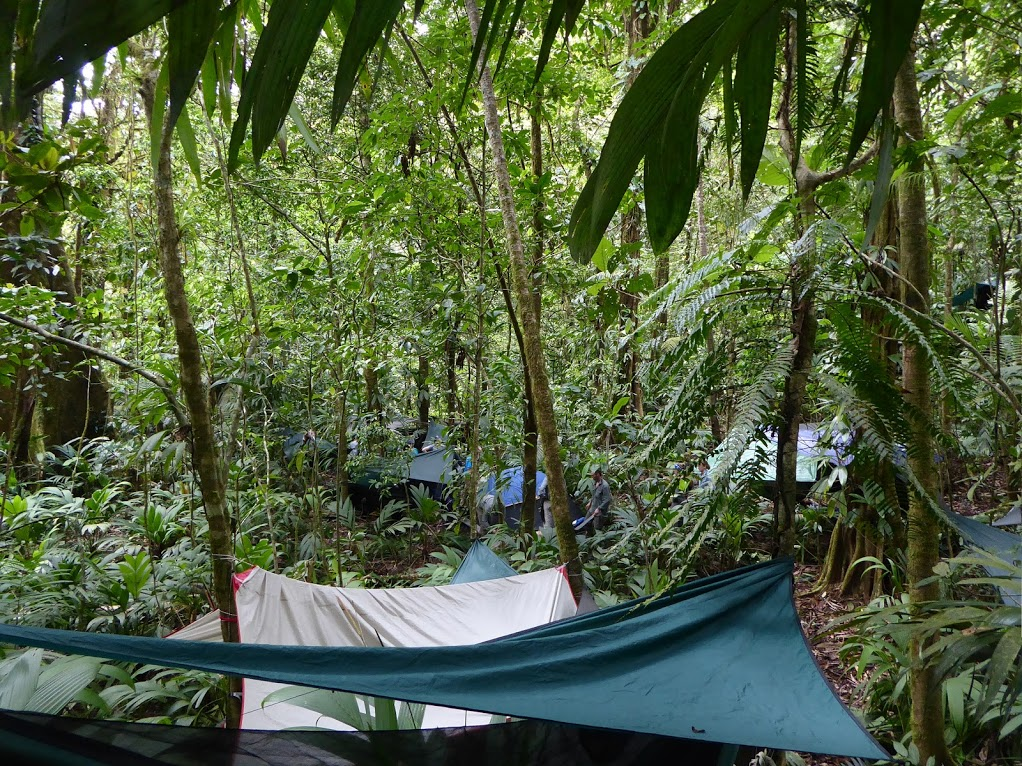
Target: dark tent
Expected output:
[719,660]
[392,478]
[480,563]
[58,741]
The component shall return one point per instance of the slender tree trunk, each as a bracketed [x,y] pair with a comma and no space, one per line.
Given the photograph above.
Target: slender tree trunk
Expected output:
[530,328]
[711,341]
[422,399]
[923,530]
[530,436]
[205,454]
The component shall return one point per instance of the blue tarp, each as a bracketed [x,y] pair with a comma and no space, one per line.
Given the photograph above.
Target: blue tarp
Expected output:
[510,484]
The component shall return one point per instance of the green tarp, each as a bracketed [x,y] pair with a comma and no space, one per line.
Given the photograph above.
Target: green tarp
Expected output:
[721,659]
[480,563]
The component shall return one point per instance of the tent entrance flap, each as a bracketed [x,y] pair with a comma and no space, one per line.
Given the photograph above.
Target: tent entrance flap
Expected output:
[722,659]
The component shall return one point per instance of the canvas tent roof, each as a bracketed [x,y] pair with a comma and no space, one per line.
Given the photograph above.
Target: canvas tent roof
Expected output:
[480,563]
[435,467]
[721,659]
[811,452]
[277,610]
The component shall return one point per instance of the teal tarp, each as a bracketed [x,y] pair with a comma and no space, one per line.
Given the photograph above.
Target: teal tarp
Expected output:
[721,659]
[480,563]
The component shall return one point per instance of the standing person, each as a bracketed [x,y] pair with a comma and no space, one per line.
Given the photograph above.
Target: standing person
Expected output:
[599,506]
[703,471]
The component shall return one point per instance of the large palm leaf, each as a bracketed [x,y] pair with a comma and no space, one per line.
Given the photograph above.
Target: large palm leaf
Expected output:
[657,120]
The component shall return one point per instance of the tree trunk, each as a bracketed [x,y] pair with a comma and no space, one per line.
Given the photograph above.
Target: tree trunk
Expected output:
[530,436]
[422,399]
[530,328]
[711,341]
[205,454]
[923,530]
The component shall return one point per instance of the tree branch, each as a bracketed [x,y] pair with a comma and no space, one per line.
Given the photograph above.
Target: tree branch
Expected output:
[153,378]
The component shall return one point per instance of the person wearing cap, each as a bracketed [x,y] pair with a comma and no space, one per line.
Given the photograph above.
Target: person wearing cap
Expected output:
[599,506]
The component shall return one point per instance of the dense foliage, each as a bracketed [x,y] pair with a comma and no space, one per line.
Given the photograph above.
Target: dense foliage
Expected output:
[346,268]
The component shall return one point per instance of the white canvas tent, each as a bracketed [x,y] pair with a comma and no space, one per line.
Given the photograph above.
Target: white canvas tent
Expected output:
[276,610]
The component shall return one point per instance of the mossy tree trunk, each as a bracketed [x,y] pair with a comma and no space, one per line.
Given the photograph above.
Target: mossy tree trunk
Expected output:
[530,327]
[205,453]
[923,530]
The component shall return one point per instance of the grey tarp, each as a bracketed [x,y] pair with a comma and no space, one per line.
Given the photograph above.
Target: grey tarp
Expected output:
[1004,545]
[721,659]
[1012,518]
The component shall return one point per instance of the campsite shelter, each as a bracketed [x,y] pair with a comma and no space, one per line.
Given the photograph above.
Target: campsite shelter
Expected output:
[507,487]
[718,662]
[761,457]
[392,478]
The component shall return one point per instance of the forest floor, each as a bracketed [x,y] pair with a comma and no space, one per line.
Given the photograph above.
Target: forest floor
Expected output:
[817,610]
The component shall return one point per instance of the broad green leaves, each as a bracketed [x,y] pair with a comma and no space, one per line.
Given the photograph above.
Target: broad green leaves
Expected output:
[753,89]
[277,66]
[190,28]
[370,20]
[680,63]
[71,33]
[658,117]
[892,23]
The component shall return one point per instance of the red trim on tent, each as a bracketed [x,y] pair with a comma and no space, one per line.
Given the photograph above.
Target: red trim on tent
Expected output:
[563,569]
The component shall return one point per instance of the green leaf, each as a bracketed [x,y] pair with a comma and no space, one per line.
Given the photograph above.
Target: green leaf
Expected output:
[618,405]
[954,114]
[186,137]
[280,59]
[1002,106]
[370,19]
[190,29]
[1002,662]
[208,80]
[754,87]
[61,683]
[641,114]
[71,33]
[98,73]
[562,12]
[885,173]
[603,254]
[892,23]
[303,128]
[20,679]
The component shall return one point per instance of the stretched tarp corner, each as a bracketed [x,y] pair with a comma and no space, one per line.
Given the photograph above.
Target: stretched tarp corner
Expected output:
[722,659]
[998,542]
